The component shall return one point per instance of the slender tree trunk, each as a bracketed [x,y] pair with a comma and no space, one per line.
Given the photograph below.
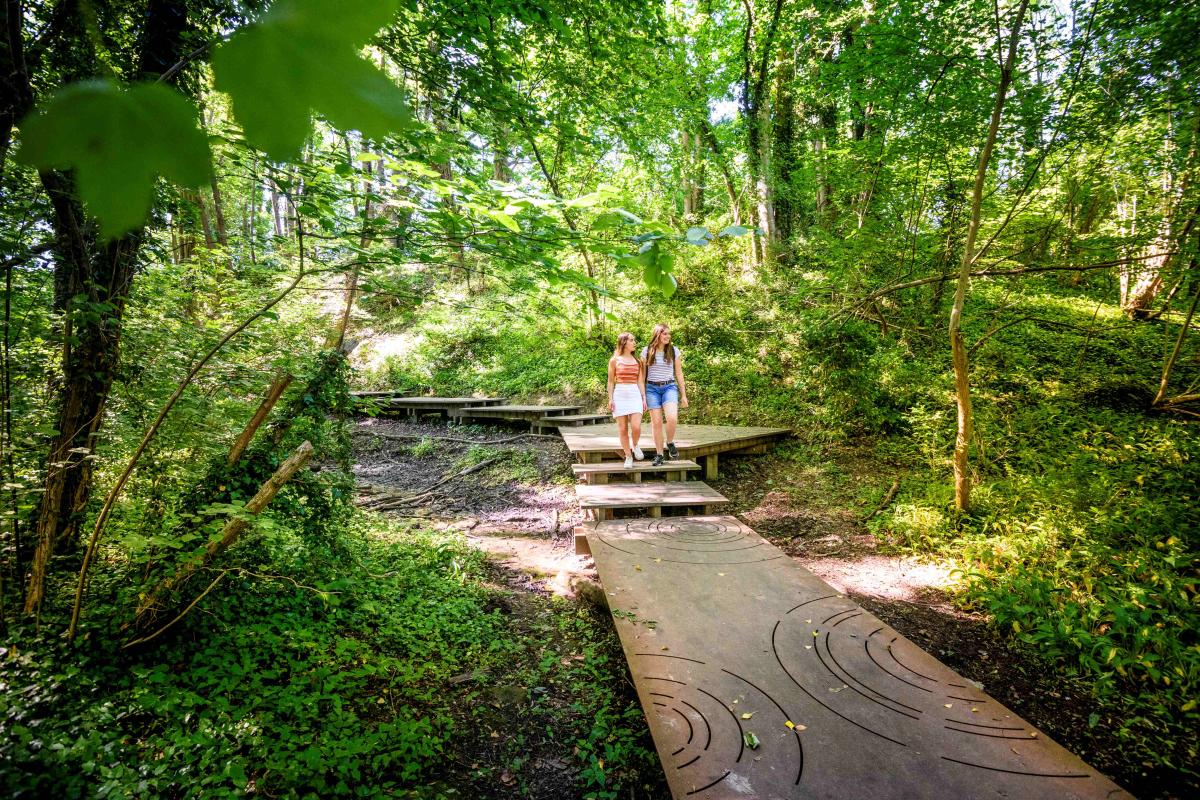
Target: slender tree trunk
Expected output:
[219,213]
[958,346]
[102,274]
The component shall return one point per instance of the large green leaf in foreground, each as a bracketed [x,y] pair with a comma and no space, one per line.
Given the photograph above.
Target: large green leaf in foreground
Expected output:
[302,57]
[118,141]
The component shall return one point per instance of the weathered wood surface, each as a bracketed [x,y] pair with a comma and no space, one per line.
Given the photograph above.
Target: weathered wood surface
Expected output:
[440,402]
[575,419]
[515,413]
[606,468]
[646,495]
[592,442]
[726,636]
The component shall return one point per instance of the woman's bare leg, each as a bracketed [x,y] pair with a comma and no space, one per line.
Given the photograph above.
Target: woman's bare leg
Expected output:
[671,413]
[635,428]
[623,433]
[656,424]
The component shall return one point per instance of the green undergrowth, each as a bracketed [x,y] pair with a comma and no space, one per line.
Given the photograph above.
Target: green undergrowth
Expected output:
[1084,536]
[317,675]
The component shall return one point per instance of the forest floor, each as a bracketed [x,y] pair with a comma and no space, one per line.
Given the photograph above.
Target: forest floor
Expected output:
[520,508]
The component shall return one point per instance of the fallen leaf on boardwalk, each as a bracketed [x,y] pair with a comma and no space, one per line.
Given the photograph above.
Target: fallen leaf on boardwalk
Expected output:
[974,710]
[751,740]
[665,647]
[722,574]
[809,621]
[949,705]
[638,567]
[816,633]
[1015,751]
[1033,735]
[836,689]
[808,647]
[748,715]
[790,724]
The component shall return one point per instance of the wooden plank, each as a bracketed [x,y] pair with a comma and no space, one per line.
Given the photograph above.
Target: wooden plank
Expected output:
[726,636]
[647,495]
[618,467]
[448,402]
[692,440]
[507,409]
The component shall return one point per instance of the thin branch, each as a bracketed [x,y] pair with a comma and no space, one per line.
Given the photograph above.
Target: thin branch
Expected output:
[181,614]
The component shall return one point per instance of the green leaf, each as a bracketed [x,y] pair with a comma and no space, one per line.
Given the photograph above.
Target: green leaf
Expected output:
[698,235]
[302,58]
[118,141]
[505,220]
[734,230]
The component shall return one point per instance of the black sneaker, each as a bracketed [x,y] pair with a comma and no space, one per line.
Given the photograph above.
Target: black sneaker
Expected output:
[673,451]
[658,460]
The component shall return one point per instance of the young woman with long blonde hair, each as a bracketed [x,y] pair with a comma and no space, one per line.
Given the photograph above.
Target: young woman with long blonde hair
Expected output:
[665,390]
[627,396]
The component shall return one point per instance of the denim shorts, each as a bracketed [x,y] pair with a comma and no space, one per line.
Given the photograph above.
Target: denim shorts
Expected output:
[659,396]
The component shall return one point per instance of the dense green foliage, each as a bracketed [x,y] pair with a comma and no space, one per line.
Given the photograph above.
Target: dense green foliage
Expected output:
[202,199]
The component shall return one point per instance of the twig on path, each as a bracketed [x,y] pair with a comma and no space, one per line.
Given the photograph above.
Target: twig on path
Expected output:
[887,500]
[388,503]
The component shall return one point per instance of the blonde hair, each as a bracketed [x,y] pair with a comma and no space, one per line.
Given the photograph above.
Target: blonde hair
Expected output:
[668,352]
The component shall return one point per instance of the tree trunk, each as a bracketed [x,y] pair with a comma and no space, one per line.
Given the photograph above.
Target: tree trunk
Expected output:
[102,274]
[958,347]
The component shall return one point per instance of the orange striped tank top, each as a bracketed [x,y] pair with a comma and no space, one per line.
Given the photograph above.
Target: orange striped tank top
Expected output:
[627,373]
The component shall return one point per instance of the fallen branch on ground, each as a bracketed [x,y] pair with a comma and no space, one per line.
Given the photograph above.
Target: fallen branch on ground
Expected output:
[392,501]
[232,530]
[887,500]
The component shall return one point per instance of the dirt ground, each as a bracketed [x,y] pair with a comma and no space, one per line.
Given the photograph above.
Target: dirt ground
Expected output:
[521,509]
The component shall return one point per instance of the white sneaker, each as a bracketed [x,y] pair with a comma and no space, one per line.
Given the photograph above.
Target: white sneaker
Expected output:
[638,455]
[629,463]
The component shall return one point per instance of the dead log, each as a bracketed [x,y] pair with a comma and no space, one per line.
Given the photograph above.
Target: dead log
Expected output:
[278,387]
[232,531]
[887,500]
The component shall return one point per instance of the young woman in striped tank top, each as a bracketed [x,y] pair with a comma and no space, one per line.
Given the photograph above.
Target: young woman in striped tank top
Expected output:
[627,396]
[665,390]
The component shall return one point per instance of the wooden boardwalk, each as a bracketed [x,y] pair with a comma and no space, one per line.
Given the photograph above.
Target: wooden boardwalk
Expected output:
[760,681]
[703,443]
[601,499]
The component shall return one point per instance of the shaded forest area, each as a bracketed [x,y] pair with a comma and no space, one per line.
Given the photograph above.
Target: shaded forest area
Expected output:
[952,244]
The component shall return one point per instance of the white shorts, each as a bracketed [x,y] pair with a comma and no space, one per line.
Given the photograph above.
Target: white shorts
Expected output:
[627,399]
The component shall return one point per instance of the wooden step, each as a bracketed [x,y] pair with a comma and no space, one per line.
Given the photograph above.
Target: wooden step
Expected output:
[600,473]
[556,421]
[531,414]
[602,499]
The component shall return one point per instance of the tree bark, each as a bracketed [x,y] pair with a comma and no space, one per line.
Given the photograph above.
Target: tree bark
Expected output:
[958,346]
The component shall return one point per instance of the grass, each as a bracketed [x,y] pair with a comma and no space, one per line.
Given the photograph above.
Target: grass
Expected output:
[349,689]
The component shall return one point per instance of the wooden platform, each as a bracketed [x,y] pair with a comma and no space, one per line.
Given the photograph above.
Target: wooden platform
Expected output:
[602,472]
[601,499]
[513,413]
[702,443]
[432,405]
[730,641]
[555,421]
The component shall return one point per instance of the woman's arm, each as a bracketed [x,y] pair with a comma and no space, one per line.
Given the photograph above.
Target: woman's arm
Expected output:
[683,401]
[642,382]
[612,379]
